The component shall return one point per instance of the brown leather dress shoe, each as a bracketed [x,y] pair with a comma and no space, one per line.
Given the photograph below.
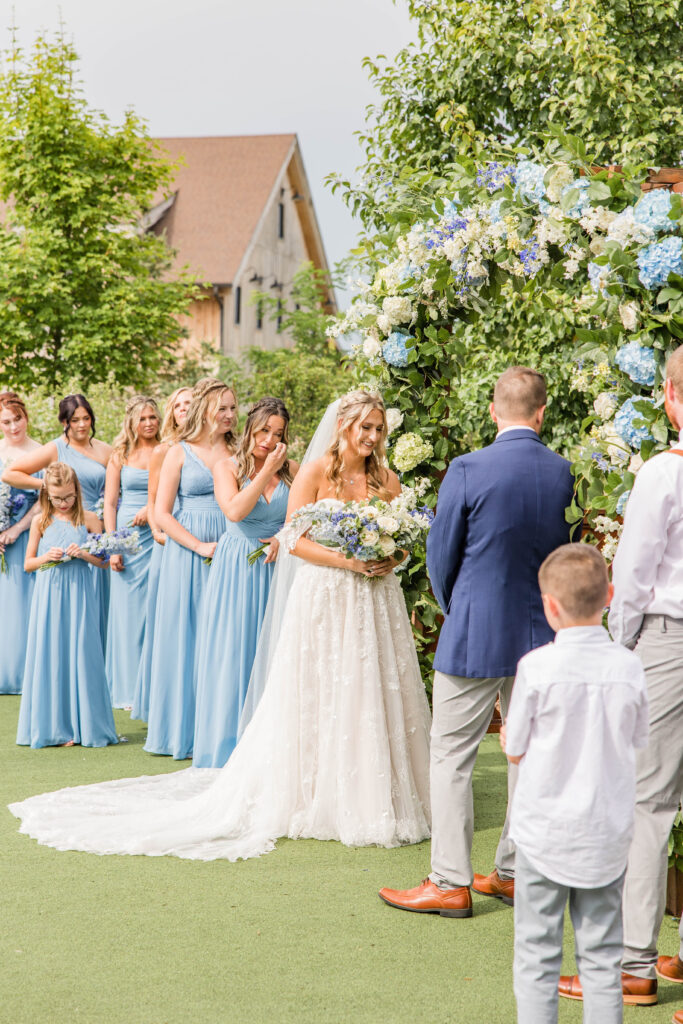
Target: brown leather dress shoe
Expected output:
[637,991]
[493,885]
[670,968]
[428,898]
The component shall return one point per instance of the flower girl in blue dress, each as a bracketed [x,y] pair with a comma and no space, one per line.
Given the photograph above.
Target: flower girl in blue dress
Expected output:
[188,513]
[175,414]
[127,477]
[65,698]
[252,489]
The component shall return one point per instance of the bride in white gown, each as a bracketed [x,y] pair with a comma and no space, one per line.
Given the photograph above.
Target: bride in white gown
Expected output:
[337,745]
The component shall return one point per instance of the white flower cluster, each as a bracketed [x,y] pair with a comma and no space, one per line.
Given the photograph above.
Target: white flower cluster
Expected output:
[409,451]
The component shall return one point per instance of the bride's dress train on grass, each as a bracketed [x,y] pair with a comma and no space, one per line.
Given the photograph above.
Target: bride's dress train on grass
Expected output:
[337,748]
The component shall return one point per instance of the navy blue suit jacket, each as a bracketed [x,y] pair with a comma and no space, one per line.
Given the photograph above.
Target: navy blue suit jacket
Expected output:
[500,511]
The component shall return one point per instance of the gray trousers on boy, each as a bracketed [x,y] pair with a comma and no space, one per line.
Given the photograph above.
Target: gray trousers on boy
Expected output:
[539,922]
[462,710]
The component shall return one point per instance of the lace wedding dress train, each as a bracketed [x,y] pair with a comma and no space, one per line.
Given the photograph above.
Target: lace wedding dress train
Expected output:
[338,746]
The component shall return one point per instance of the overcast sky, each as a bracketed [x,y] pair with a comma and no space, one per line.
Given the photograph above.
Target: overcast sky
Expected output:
[236,67]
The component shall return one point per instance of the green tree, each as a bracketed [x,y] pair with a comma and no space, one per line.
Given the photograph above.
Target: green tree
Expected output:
[494,73]
[85,292]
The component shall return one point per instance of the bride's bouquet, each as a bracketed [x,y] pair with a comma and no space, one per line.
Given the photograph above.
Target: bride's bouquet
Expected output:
[369,530]
[104,545]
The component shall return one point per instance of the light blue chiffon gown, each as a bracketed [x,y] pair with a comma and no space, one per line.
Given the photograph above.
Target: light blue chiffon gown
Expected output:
[182,582]
[232,613]
[16,590]
[65,695]
[128,595]
[91,476]
[140,709]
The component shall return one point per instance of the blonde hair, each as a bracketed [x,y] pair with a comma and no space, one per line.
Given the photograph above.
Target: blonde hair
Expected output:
[674,371]
[127,441]
[170,428]
[206,398]
[519,393]
[258,417]
[357,405]
[59,474]
[576,576]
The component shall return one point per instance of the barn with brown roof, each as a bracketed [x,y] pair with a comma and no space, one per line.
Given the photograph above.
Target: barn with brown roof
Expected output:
[241,216]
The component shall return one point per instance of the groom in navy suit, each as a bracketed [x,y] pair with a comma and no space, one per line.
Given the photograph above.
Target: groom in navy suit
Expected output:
[501,511]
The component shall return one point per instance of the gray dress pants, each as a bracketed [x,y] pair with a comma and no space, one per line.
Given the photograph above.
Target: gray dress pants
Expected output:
[539,922]
[462,710]
[659,786]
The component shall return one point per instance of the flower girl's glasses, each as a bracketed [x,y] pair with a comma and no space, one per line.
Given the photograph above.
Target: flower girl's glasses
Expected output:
[65,499]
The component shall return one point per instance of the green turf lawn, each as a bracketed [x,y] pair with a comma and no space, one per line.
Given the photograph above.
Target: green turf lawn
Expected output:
[296,936]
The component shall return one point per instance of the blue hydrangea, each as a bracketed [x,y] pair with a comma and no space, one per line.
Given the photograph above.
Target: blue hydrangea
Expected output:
[659,260]
[494,211]
[582,202]
[529,257]
[395,350]
[653,210]
[529,181]
[638,363]
[623,423]
[598,274]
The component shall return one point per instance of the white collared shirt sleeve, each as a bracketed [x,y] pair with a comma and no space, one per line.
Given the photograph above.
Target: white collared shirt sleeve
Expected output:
[520,719]
[644,575]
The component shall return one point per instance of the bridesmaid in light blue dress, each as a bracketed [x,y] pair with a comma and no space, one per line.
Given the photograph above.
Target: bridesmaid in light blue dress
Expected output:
[16,586]
[80,449]
[252,490]
[127,477]
[193,531]
[65,699]
[174,416]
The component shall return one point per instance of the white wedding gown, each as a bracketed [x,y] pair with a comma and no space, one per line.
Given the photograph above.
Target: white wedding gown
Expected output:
[338,746]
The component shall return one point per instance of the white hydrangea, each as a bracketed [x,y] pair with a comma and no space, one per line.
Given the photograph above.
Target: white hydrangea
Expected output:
[398,309]
[636,463]
[625,229]
[603,524]
[609,547]
[561,176]
[596,218]
[628,313]
[371,347]
[617,449]
[606,404]
[394,419]
[550,231]
[384,323]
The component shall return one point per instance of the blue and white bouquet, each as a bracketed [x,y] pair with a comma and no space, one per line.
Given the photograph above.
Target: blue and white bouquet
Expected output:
[104,545]
[12,508]
[369,530]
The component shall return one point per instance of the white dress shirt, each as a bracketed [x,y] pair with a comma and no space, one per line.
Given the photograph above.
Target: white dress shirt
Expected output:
[648,567]
[578,711]
[521,426]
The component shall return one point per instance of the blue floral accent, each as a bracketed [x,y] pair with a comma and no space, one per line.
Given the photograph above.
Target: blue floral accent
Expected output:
[653,210]
[598,274]
[583,202]
[496,175]
[623,423]
[529,257]
[529,181]
[621,504]
[395,350]
[659,260]
[638,363]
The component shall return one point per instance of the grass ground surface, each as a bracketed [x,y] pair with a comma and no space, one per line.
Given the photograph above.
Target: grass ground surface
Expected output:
[296,936]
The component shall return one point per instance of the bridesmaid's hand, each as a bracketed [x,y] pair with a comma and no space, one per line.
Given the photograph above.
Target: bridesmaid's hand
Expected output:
[73,551]
[9,536]
[53,555]
[159,536]
[276,459]
[116,563]
[140,518]
[206,548]
[272,550]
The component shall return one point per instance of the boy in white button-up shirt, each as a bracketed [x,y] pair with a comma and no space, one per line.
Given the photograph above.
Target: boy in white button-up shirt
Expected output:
[578,711]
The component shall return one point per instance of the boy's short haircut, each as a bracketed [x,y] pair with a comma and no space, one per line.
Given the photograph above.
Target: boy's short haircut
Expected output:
[519,393]
[674,370]
[576,575]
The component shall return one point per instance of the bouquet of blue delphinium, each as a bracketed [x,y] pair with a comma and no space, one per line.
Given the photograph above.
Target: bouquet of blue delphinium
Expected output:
[369,530]
[104,545]
[12,508]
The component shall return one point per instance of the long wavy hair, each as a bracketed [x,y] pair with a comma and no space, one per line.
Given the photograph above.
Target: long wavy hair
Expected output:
[58,474]
[206,398]
[67,408]
[258,417]
[356,406]
[170,428]
[127,440]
